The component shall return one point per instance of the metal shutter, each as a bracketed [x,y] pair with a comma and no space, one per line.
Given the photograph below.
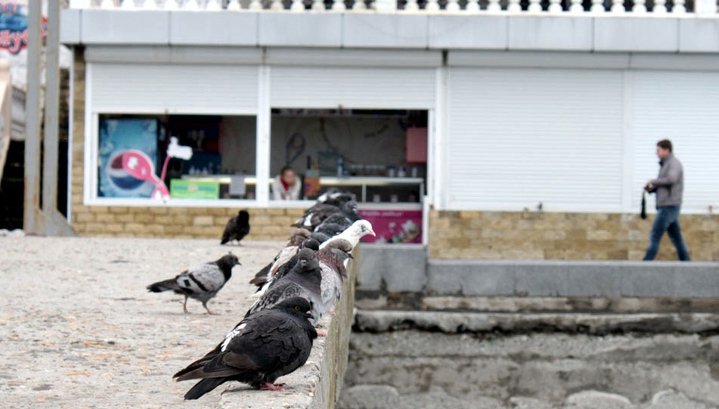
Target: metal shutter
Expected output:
[359,87]
[517,137]
[681,106]
[159,88]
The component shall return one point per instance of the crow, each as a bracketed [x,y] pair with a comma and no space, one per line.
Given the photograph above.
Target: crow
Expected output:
[236,228]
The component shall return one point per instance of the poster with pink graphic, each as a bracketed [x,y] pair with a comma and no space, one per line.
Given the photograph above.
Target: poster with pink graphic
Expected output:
[394,226]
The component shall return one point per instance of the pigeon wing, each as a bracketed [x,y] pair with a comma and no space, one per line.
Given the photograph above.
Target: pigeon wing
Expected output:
[282,290]
[205,278]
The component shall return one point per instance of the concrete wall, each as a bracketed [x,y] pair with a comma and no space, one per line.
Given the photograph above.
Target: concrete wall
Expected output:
[561,236]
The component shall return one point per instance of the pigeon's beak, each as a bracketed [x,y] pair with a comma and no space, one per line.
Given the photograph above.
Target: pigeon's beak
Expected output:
[372,233]
[350,255]
[238,264]
[309,315]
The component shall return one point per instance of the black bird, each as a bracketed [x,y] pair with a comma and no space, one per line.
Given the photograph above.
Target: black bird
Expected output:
[303,280]
[236,228]
[201,282]
[264,346]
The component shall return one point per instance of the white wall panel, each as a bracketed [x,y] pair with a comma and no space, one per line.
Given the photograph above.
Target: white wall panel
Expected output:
[681,106]
[517,137]
[359,87]
[173,88]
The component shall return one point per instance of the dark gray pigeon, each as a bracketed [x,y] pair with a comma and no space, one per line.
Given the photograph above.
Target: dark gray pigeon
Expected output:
[316,215]
[319,237]
[293,246]
[236,228]
[304,280]
[264,346]
[200,282]
[333,229]
[310,243]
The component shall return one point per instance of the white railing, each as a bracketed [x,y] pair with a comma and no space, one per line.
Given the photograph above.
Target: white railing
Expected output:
[565,7]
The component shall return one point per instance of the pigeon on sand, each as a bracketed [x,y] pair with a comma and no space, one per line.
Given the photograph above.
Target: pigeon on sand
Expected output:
[201,282]
[236,228]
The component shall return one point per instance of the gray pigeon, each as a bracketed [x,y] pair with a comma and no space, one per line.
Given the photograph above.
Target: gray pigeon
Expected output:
[264,346]
[200,282]
[334,272]
[303,280]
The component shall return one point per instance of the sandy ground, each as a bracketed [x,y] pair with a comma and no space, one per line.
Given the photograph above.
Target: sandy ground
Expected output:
[78,328]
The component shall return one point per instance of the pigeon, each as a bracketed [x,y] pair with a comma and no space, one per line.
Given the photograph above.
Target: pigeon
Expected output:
[315,215]
[333,268]
[319,237]
[303,280]
[335,197]
[261,348]
[287,252]
[353,234]
[237,228]
[310,243]
[332,229]
[201,282]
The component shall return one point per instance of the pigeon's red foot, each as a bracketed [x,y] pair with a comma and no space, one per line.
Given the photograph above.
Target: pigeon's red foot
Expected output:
[273,387]
[321,332]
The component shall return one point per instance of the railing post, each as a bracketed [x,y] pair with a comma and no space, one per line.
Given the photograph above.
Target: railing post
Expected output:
[705,7]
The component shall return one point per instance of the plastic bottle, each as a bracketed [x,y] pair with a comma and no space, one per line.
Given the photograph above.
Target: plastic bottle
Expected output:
[340,167]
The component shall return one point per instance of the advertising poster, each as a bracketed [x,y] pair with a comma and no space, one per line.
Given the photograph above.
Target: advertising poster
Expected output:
[121,139]
[394,226]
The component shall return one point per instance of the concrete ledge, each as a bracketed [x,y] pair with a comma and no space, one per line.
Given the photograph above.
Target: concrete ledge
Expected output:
[472,322]
[391,31]
[611,279]
[392,267]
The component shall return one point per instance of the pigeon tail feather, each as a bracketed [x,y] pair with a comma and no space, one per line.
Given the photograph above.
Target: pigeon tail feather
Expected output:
[203,387]
[160,286]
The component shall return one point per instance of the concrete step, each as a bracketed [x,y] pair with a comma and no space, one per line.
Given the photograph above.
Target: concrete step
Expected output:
[378,321]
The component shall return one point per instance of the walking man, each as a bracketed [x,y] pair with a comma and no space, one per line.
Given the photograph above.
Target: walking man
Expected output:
[669,187]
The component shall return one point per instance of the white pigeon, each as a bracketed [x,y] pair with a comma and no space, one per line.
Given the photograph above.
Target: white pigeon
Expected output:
[352,234]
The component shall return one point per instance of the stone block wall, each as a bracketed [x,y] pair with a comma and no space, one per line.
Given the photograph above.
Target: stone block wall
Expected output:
[561,236]
[177,222]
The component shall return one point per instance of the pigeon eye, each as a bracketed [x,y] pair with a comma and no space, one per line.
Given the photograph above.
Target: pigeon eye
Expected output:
[297,308]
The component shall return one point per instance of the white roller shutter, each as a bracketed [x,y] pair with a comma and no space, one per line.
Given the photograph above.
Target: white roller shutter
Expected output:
[352,87]
[173,88]
[681,106]
[517,137]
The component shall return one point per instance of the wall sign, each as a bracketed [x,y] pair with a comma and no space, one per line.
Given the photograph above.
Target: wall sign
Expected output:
[13,26]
